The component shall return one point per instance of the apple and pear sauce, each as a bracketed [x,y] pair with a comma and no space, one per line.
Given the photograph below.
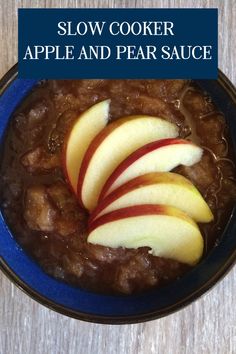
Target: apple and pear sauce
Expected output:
[44,214]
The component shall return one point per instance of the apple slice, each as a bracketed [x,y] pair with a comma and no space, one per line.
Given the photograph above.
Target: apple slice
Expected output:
[163,188]
[158,156]
[86,127]
[111,146]
[169,232]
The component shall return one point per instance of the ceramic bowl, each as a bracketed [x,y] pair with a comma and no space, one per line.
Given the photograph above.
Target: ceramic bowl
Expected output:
[84,305]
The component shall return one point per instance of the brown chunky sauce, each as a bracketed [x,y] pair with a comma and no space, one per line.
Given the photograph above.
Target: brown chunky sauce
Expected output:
[45,216]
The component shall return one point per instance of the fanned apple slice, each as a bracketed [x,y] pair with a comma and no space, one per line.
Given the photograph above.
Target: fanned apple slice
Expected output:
[163,188]
[86,127]
[158,156]
[169,232]
[111,146]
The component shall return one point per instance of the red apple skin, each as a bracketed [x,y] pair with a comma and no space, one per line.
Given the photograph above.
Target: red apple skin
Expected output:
[93,147]
[137,210]
[139,181]
[64,149]
[135,156]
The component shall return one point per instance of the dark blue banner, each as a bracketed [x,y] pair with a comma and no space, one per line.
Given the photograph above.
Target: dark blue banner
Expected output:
[118,43]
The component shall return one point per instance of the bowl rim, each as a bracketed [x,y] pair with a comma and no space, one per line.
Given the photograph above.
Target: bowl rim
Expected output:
[225,83]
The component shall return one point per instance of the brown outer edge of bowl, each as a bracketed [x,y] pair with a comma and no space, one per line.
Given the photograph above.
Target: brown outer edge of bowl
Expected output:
[117,320]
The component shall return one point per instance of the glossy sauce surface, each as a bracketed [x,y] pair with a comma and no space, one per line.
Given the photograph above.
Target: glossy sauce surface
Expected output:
[43,213]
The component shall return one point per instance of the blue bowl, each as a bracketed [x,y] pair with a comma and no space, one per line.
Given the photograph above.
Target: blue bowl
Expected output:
[84,305]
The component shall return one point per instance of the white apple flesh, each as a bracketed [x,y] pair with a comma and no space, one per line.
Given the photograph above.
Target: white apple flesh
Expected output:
[169,232]
[158,156]
[86,127]
[163,188]
[110,147]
